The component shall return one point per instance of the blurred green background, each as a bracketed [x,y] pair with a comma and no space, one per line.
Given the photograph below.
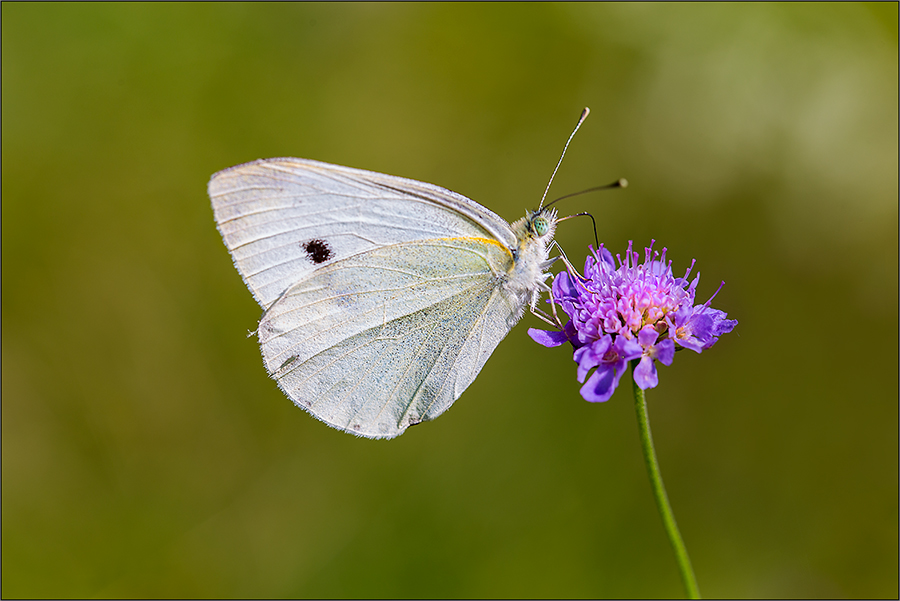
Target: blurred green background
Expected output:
[145,452]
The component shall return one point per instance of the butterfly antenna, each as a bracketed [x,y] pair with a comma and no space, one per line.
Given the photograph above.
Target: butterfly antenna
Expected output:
[619,183]
[581,119]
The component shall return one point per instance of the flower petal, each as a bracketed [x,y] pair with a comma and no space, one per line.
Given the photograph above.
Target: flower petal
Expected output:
[602,383]
[572,333]
[665,351]
[647,336]
[720,324]
[563,287]
[591,356]
[627,349]
[707,324]
[645,374]
[689,342]
[548,338]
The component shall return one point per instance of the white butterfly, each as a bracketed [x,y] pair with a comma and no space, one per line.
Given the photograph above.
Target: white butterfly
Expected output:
[383,296]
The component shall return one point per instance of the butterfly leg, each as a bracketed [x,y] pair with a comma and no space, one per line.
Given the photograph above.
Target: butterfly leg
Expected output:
[565,259]
[543,316]
[571,269]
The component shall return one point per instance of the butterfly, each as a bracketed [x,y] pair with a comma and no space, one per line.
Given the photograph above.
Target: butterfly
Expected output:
[383,297]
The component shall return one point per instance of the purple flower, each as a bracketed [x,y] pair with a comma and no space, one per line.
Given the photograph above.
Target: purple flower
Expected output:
[633,311]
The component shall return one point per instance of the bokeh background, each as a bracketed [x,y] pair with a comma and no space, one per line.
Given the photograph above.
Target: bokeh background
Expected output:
[145,452]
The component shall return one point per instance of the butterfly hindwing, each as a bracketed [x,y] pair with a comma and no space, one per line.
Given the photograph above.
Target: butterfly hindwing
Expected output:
[392,336]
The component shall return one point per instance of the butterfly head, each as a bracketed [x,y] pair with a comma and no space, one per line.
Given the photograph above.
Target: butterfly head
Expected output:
[536,225]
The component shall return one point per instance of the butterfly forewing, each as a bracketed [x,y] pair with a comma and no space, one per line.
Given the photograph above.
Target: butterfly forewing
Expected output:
[281,219]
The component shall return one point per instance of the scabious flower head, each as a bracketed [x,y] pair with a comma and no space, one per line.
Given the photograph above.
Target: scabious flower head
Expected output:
[633,311]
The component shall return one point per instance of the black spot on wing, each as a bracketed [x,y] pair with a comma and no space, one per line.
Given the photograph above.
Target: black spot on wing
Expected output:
[287,362]
[318,251]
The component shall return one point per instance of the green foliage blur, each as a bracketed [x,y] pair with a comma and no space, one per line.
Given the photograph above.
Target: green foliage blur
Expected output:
[145,452]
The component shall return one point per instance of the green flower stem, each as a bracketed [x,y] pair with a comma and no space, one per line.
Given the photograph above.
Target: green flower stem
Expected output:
[659,492]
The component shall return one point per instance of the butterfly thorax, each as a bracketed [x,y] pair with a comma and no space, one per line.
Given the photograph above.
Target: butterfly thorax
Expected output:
[534,233]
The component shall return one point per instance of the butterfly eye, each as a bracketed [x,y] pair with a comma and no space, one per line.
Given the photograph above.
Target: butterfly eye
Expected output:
[541,226]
